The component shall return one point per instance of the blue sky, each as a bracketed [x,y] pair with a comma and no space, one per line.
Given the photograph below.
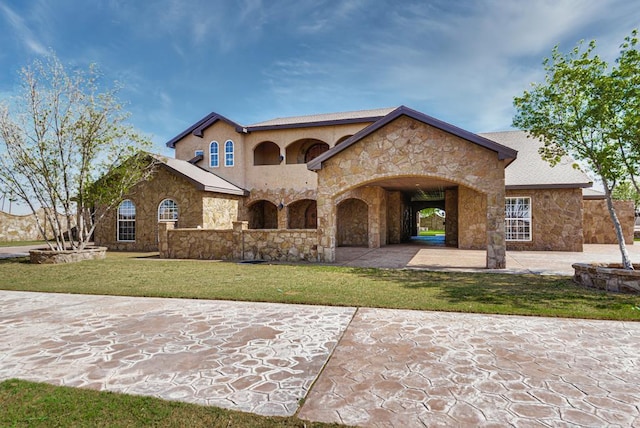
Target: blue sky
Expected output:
[461,61]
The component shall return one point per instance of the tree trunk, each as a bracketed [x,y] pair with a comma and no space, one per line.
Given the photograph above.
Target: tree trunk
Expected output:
[626,261]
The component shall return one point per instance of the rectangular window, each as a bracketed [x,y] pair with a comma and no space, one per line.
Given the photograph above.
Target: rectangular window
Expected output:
[199,153]
[517,219]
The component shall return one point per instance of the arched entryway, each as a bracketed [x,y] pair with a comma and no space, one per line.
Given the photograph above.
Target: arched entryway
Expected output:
[263,215]
[305,150]
[352,223]
[303,214]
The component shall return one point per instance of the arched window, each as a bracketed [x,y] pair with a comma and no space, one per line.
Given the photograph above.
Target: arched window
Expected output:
[127,221]
[213,154]
[168,210]
[228,153]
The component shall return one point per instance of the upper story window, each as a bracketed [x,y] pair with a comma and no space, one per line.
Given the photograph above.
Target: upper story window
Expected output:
[198,153]
[517,219]
[228,153]
[127,221]
[214,160]
[168,210]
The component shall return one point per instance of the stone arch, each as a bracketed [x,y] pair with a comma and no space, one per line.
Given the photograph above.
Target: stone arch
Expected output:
[267,153]
[352,223]
[303,214]
[304,150]
[263,214]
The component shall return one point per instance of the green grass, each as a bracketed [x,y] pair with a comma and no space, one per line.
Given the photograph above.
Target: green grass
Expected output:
[28,404]
[431,232]
[134,274]
[20,243]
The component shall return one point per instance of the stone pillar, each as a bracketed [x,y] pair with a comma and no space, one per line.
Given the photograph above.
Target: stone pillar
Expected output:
[163,238]
[451,219]
[238,238]
[326,229]
[283,217]
[496,244]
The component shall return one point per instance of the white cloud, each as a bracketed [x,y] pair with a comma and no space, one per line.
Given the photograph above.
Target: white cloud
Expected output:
[23,33]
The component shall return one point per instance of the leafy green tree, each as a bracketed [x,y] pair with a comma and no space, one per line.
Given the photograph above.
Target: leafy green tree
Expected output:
[589,110]
[65,147]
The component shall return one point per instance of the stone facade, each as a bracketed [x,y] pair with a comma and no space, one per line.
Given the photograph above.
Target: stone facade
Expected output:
[196,208]
[404,148]
[556,220]
[239,243]
[598,228]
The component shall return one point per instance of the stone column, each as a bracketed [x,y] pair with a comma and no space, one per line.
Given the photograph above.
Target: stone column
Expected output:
[163,238]
[326,228]
[496,244]
[283,217]
[238,238]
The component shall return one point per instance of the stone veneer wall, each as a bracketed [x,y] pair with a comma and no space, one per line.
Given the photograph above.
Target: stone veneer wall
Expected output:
[472,219]
[406,147]
[195,208]
[239,243]
[23,227]
[598,228]
[556,220]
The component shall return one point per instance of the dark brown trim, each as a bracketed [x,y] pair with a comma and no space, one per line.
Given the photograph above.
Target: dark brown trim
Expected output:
[309,124]
[199,127]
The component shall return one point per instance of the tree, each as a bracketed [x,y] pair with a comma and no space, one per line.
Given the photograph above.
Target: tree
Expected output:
[65,147]
[589,110]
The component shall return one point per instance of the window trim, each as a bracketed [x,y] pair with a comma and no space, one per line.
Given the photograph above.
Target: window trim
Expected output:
[214,154]
[120,221]
[520,236]
[175,217]
[229,153]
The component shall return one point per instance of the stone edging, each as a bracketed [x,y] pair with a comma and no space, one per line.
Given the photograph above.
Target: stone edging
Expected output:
[607,277]
[47,256]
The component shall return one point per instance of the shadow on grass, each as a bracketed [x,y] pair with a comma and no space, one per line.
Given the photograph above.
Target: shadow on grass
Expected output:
[510,293]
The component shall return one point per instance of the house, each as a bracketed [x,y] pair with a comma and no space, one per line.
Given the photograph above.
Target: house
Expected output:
[297,188]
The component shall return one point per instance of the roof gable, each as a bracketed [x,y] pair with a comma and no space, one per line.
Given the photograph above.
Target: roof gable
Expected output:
[199,127]
[504,153]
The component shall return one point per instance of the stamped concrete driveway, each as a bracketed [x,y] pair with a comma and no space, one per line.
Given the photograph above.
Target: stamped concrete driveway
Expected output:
[391,368]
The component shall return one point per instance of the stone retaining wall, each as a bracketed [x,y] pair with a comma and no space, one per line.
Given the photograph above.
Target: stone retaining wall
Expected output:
[608,277]
[239,243]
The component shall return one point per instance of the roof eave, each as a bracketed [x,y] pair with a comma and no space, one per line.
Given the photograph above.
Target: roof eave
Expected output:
[200,126]
[549,186]
[313,124]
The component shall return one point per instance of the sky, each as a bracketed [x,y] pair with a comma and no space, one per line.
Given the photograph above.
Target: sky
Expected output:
[460,61]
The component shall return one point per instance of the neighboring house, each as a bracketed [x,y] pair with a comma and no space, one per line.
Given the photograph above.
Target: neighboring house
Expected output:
[297,188]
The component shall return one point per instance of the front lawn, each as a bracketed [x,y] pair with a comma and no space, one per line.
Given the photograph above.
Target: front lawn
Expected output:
[28,404]
[136,274]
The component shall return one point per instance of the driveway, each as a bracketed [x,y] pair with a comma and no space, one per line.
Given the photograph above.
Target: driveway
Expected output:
[394,368]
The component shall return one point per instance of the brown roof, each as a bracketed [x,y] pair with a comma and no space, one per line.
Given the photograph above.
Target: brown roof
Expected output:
[326,117]
[530,171]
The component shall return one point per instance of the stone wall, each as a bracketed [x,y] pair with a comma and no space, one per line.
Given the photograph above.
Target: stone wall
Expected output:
[404,148]
[239,243]
[23,227]
[472,219]
[598,228]
[556,220]
[196,208]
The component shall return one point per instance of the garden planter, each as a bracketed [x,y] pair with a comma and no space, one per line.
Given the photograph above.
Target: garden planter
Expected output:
[47,256]
[608,277]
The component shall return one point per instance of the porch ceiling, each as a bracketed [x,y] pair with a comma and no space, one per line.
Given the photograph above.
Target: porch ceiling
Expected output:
[419,188]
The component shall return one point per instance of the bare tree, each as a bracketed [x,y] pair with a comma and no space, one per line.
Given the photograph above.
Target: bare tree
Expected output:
[65,147]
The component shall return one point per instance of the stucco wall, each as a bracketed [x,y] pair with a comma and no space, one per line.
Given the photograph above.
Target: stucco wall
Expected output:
[556,220]
[598,228]
[192,203]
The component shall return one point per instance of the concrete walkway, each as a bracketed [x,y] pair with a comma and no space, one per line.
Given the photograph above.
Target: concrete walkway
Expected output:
[418,256]
[391,368]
